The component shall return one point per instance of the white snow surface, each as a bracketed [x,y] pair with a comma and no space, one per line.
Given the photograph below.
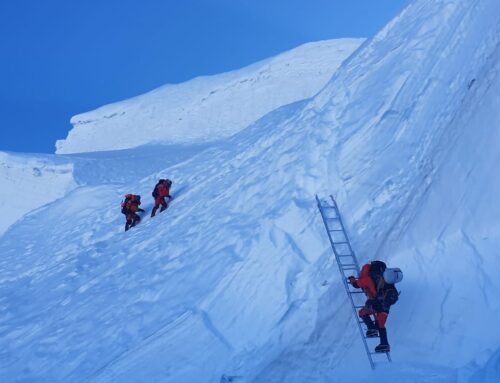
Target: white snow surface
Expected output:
[209,108]
[235,282]
[29,182]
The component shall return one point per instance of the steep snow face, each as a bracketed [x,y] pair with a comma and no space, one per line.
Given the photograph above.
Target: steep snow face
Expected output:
[29,182]
[235,281]
[201,290]
[209,108]
[410,125]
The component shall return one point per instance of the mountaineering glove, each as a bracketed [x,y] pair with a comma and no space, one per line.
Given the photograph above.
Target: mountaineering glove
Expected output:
[352,281]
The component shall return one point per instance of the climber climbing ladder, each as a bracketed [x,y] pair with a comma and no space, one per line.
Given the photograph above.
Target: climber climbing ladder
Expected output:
[346,261]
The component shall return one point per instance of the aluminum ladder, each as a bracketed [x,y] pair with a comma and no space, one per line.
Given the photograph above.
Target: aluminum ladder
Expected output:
[347,263]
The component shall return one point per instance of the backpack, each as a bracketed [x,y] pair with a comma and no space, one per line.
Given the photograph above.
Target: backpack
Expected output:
[377,269]
[389,294]
[385,279]
[124,206]
[155,191]
[128,198]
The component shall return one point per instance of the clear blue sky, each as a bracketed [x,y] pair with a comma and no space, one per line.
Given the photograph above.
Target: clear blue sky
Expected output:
[63,57]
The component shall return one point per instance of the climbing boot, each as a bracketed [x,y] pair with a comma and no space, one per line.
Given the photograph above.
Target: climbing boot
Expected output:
[383,348]
[371,333]
[384,344]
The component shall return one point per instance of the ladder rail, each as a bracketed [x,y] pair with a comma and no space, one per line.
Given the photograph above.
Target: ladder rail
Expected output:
[345,232]
[343,270]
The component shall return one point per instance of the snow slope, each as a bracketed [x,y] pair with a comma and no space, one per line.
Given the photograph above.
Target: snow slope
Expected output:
[414,171]
[29,182]
[235,281]
[209,108]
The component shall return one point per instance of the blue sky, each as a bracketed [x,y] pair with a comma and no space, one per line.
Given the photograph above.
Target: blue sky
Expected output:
[63,57]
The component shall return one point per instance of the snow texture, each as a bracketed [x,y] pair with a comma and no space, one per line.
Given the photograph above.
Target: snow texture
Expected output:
[29,182]
[235,282]
[209,108]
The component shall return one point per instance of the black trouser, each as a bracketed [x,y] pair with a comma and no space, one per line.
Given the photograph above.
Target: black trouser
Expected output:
[160,201]
[367,319]
[380,310]
[131,221]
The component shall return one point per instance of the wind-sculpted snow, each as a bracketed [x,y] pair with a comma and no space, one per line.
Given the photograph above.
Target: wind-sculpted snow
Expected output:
[210,108]
[235,281]
[412,160]
[30,182]
[119,300]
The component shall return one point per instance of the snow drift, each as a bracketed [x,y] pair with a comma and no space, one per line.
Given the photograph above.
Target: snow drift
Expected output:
[235,281]
[209,108]
[29,182]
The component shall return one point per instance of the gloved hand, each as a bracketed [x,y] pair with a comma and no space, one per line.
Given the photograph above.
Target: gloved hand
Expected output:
[351,279]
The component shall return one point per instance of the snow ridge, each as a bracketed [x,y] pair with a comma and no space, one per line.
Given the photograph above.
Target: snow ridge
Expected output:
[236,278]
[208,108]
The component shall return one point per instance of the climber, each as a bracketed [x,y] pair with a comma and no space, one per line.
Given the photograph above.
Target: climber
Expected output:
[130,207]
[160,192]
[377,281]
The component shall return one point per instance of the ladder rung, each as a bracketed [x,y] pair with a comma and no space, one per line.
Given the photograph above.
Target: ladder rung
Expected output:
[348,265]
[340,243]
[356,292]
[346,255]
[378,353]
[335,230]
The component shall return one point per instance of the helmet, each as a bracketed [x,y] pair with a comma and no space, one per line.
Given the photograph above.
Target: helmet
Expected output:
[169,183]
[393,275]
